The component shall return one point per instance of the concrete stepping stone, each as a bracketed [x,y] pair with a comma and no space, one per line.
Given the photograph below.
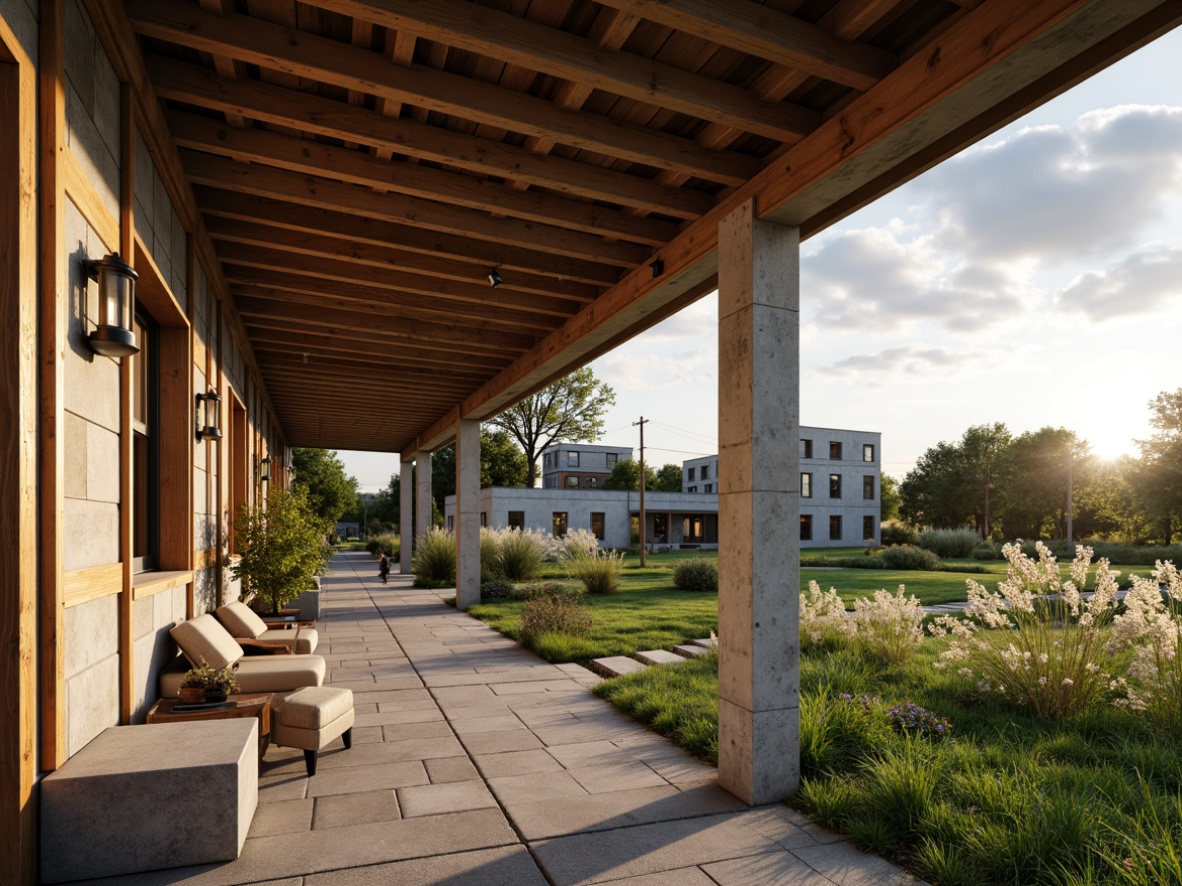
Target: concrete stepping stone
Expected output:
[706,642]
[690,650]
[616,666]
[657,657]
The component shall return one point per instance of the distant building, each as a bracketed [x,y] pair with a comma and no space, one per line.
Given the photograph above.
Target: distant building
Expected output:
[580,465]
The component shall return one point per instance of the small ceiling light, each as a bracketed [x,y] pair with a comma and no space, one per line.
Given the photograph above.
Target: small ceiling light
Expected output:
[207,424]
[494,278]
[114,336]
[658,267]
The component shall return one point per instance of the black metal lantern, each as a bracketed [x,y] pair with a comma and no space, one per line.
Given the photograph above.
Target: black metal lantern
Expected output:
[265,469]
[207,425]
[114,336]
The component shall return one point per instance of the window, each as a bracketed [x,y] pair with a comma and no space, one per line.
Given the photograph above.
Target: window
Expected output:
[709,487]
[806,527]
[592,482]
[806,485]
[145,455]
[550,482]
[806,448]
[559,524]
[868,488]
[572,459]
[572,482]
[516,520]
[868,528]
[483,519]
[835,485]
[835,528]
[612,458]
[691,528]
[867,452]
[692,489]
[834,451]
[705,473]
[597,524]
[451,524]
[692,471]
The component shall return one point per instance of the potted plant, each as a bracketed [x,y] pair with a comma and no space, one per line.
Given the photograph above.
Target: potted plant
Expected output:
[280,547]
[222,682]
[194,682]
[206,683]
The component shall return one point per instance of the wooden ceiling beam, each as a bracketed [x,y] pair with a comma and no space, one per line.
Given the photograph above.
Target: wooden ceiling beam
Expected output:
[255,100]
[396,261]
[422,182]
[330,223]
[766,33]
[376,339]
[325,346]
[279,48]
[343,276]
[436,386]
[489,32]
[322,193]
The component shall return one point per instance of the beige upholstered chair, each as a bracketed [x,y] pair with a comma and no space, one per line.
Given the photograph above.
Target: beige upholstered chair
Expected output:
[241,621]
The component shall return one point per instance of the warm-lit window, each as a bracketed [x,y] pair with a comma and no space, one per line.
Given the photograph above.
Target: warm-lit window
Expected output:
[806,485]
[834,451]
[516,520]
[572,482]
[806,448]
[868,488]
[572,459]
[806,527]
[868,452]
[145,457]
[592,482]
[835,528]
[597,524]
[559,524]
[835,485]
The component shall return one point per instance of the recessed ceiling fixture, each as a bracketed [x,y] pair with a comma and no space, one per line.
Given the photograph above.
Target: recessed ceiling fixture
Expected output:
[494,278]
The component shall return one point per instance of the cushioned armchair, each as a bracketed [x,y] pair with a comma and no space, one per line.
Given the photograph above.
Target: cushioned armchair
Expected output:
[242,622]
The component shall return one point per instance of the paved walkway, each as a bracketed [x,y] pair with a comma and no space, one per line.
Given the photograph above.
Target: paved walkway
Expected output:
[474,762]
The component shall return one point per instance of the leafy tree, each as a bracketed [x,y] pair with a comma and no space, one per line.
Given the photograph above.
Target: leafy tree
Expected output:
[1035,498]
[281,546]
[668,479]
[1158,478]
[626,476]
[891,500]
[572,410]
[502,463]
[322,476]
[948,486]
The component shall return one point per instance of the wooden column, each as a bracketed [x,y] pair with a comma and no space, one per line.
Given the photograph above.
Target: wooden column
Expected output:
[126,497]
[18,460]
[758,507]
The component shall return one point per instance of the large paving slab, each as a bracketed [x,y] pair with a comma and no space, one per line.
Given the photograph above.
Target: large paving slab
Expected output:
[476,763]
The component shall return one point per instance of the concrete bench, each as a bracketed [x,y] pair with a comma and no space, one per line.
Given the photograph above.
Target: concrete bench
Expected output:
[140,798]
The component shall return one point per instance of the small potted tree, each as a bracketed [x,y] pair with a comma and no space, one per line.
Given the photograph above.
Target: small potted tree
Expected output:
[280,548]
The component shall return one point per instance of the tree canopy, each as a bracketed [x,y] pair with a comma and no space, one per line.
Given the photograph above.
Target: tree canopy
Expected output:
[626,476]
[321,474]
[571,410]
[1158,478]
[668,479]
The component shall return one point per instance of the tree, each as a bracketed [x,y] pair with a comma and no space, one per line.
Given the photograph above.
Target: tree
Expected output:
[572,410]
[891,500]
[1035,498]
[281,546]
[501,464]
[668,479]
[322,476]
[626,476]
[952,483]
[1159,476]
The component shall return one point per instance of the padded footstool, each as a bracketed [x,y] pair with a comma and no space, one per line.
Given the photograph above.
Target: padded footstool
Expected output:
[310,718]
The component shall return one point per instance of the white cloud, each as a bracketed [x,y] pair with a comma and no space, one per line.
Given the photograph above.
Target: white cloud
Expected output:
[911,360]
[1138,284]
[642,369]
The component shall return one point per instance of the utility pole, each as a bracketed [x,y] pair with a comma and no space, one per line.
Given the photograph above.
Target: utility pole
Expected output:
[642,423]
[1070,495]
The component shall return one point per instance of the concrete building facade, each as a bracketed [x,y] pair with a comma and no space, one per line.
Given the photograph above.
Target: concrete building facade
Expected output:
[580,465]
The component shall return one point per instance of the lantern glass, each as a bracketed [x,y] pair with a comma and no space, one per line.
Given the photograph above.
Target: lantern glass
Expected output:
[114,336]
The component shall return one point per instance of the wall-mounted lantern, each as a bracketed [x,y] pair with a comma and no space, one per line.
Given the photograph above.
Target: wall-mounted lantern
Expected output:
[208,416]
[265,469]
[114,336]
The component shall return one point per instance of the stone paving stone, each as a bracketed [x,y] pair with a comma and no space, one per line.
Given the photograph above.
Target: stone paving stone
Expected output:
[445,769]
[677,877]
[503,723]
[773,869]
[342,810]
[648,849]
[539,787]
[588,753]
[532,686]
[846,866]
[623,776]
[616,666]
[440,799]
[707,642]
[407,731]
[500,742]
[391,718]
[509,865]
[690,650]
[367,734]
[282,817]
[273,789]
[359,779]
[657,657]
[516,763]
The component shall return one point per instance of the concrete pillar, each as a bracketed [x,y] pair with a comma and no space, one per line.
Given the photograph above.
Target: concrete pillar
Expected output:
[467,513]
[422,491]
[406,521]
[758,507]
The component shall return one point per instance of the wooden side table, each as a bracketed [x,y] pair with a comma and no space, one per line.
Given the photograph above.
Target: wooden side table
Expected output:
[256,705]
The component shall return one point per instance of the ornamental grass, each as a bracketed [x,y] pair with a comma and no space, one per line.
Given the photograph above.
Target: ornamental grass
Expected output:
[434,559]
[599,571]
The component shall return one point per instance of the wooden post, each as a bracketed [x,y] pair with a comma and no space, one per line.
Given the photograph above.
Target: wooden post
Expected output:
[126,497]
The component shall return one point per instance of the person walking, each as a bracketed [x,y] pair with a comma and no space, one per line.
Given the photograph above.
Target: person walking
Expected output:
[384,567]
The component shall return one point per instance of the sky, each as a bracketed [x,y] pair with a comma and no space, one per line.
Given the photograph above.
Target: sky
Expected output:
[1034,279]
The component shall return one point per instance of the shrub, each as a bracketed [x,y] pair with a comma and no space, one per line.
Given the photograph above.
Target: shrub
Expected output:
[986,550]
[575,542]
[873,561]
[910,557]
[279,546]
[521,555]
[434,560]
[823,619]
[895,533]
[890,626]
[556,612]
[696,574]
[950,543]
[388,543]
[911,719]
[599,571]
[495,590]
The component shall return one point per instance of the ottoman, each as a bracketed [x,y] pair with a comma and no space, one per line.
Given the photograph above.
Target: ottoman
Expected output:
[310,718]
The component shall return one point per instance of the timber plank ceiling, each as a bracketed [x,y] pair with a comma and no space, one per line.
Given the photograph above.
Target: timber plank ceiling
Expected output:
[362,165]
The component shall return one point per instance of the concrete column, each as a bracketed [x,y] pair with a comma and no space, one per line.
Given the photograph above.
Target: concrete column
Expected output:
[422,491]
[758,507]
[467,513]
[406,517]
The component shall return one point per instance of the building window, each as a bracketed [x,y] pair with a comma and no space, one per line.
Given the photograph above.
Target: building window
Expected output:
[868,488]
[692,472]
[592,482]
[806,527]
[692,489]
[867,452]
[559,524]
[483,519]
[572,482]
[835,528]
[835,485]
[597,524]
[516,520]
[834,451]
[705,472]
[572,459]
[612,458]
[145,452]
[868,528]
[691,528]
[451,524]
[806,448]
[709,487]
[806,485]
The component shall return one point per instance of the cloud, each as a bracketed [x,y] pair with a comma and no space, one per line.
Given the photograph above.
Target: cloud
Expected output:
[640,369]
[903,360]
[1138,284]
